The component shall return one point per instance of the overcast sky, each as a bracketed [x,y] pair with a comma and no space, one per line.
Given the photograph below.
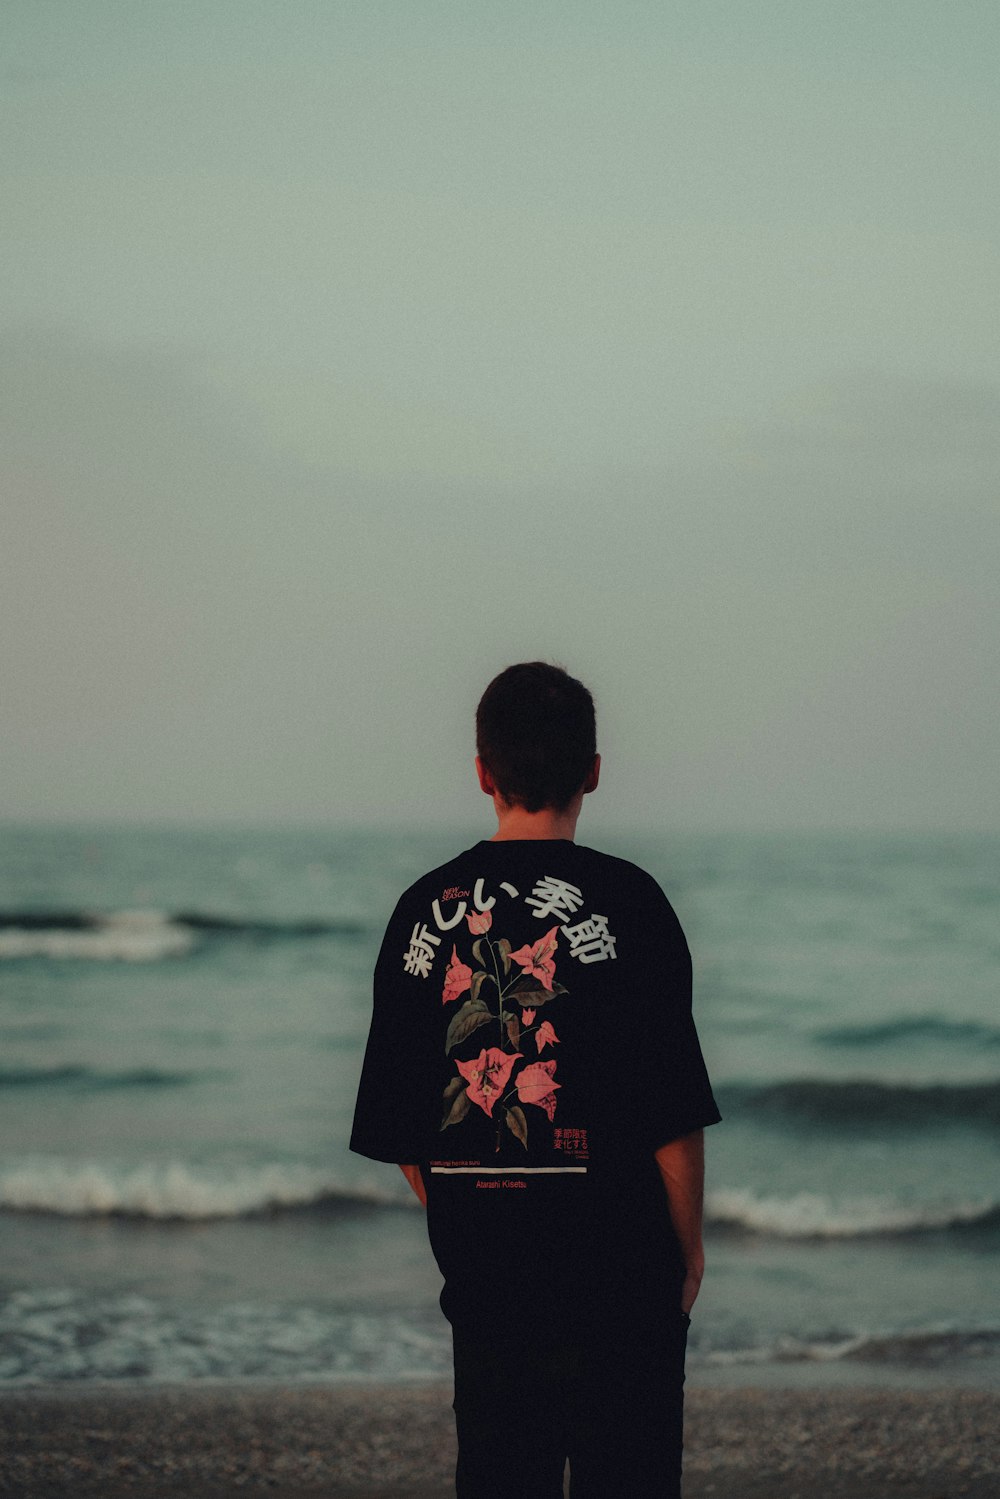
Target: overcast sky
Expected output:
[353,349]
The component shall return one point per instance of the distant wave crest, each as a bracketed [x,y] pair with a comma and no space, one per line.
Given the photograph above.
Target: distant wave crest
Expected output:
[82,1079]
[178,1191]
[864,1101]
[911,1027]
[810,1215]
[140,936]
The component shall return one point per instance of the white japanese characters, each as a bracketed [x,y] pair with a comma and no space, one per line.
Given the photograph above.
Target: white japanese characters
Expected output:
[552,897]
[445,923]
[590,941]
[419,956]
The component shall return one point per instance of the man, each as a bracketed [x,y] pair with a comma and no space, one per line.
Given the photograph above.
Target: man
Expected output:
[534,1069]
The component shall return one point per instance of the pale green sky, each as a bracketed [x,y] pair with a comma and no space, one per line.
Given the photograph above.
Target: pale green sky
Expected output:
[350,351]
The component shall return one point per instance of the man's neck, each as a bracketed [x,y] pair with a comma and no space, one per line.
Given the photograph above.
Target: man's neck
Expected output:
[517,822]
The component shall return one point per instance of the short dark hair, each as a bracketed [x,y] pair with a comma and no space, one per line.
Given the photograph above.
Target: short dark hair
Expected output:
[536,735]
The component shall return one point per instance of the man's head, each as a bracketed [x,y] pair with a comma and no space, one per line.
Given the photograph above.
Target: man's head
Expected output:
[536,736]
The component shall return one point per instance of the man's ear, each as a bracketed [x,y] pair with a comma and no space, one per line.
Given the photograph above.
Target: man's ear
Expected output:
[590,784]
[485,779]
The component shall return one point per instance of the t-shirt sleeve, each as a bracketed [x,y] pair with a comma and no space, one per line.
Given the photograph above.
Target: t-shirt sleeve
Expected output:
[676,1090]
[390,1114]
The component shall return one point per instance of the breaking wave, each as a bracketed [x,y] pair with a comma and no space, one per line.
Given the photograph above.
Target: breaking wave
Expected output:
[861,1101]
[809,1215]
[175,1191]
[142,936]
[182,1192]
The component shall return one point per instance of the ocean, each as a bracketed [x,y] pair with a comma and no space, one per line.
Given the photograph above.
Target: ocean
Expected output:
[182,1018]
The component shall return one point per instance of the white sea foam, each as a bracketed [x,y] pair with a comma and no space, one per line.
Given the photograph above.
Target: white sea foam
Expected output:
[913,1346]
[127,936]
[61,1336]
[174,1190]
[787,1350]
[809,1215]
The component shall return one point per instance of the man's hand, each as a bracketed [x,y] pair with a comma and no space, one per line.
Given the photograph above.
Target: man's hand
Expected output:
[416,1181]
[682,1167]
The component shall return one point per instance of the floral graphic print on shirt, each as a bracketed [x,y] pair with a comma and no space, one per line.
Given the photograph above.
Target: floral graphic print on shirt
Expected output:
[506,988]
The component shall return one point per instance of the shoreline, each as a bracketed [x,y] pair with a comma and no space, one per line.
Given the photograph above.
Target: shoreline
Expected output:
[217,1440]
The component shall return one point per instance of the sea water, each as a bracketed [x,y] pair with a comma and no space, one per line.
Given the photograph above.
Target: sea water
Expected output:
[182,1019]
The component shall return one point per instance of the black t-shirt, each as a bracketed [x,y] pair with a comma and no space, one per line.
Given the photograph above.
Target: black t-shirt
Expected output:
[531,1046]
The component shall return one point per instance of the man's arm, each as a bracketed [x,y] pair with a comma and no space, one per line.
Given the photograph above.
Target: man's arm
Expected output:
[682,1167]
[416,1181]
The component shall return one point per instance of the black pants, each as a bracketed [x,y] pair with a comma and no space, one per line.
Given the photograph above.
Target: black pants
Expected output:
[599,1385]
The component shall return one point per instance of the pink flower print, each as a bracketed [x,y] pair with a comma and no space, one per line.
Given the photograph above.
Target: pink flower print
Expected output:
[538,960]
[479,922]
[528,1016]
[545,1035]
[488,1075]
[535,1085]
[457,978]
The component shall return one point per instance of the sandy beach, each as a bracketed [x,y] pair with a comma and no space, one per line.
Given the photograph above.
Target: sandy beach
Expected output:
[213,1441]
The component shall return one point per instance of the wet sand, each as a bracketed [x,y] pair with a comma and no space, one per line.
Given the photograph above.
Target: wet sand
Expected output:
[396,1442]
